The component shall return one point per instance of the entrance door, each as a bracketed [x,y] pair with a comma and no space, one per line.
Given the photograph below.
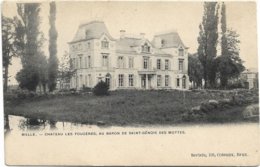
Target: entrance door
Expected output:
[108,80]
[149,81]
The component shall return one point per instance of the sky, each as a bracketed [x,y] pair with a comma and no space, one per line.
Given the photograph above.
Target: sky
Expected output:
[144,17]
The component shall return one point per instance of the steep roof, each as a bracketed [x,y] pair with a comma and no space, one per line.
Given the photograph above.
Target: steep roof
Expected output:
[127,44]
[91,30]
[171,39]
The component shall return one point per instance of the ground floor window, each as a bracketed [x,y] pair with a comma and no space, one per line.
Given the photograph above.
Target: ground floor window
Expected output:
[166,80]
[178,82]
[80,81]
[89,80]
[159,80]
[184,82]
[131,80]
[108,76]
[86,80]
[121,80]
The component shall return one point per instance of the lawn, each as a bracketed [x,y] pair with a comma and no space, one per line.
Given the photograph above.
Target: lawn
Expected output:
[125,107]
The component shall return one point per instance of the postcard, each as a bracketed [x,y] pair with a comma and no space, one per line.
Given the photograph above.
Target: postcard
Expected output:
[130,83]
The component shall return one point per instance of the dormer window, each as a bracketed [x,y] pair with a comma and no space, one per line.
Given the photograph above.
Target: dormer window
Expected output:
[146,48]
[181,52]
[104,44]
[79,46]
[163,43]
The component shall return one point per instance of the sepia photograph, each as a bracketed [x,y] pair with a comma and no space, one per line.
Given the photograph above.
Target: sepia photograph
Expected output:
[130,83]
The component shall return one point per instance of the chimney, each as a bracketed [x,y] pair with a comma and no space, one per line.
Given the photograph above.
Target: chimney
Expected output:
[122,34]
[142,35]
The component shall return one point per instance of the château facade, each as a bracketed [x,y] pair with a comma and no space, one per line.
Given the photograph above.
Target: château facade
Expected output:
[127,62]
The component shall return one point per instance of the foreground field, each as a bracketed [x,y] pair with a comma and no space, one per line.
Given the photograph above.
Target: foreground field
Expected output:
[126,108]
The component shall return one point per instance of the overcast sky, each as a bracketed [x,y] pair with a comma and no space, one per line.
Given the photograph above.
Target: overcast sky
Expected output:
[145,17]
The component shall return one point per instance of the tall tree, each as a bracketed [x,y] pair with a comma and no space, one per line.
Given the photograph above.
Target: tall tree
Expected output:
[8,50]
[195,70]
[29,43]
[207,40]
[223,22]
[53,61]
[229,63]
[43,71]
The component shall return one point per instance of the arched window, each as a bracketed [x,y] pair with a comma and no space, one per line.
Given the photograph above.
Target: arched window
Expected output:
[163,43]
[184,82]
[108,79]
[178,82]
[146,48]
[104,44]
[181,51]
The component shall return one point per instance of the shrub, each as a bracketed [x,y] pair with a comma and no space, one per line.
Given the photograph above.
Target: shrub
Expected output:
[101,89]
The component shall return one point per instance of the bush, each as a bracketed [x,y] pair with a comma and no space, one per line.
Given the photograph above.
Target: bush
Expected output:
[101,89]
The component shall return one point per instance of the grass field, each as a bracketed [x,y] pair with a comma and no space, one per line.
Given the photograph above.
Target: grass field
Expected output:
[123,108]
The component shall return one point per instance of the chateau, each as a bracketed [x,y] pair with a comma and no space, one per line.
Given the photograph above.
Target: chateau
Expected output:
[127,62]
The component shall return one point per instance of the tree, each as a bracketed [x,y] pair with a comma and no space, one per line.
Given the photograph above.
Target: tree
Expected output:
[43,71]
[8,50]
[28,78]
[101,89]
[229,63]
[223,21]
[195,70]
[207,40]
[65,69]
[29,43]
[53,61]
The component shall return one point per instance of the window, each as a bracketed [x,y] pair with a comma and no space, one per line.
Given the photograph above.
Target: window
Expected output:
[89,80]
[181,52]
[89,61]
[86,80]
[77,63]
[184,82]
[108,79]
[120,62]
[158,63]
[88,45]
[105,61]
[74,63]
[80,61]
[163,43]
[131,80]
[146,48]
[80,81]
[104,44]
[159,80]
[131,62]
[145,63]
[121,80]
[180,64]
[178,82]
[79,46]
[86,62]
[166,80]
[166,64]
